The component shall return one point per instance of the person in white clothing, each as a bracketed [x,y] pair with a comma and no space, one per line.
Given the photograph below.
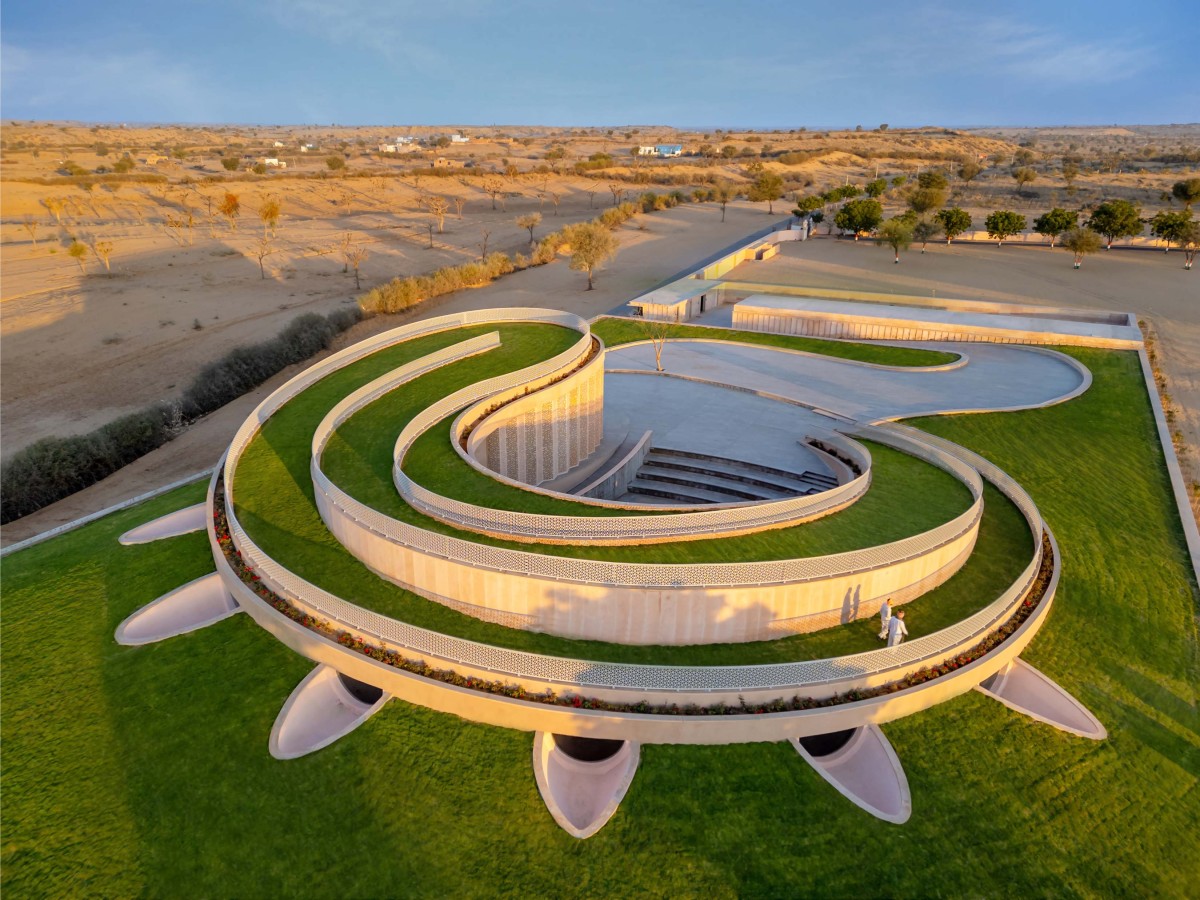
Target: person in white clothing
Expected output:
[897,631]
[885,616]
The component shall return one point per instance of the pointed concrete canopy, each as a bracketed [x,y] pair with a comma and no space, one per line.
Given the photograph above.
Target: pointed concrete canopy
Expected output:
[324,707]
[864,768]
[1021,687]
[182,521]
[582,788]
[188,608]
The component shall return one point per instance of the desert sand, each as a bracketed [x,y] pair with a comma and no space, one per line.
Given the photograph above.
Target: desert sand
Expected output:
[80,346]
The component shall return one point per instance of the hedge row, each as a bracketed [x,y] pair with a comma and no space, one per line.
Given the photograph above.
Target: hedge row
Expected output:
[53,468]
[400,294]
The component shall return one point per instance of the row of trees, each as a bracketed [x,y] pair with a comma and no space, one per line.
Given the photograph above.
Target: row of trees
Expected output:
[1112,219]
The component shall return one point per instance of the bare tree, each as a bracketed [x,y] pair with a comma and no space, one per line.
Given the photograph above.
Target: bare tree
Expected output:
[429,226]
[618,190]
[555,198]
[591,192]
[261,249]
[459,203]
[483,244]
[30,224]
[55,205]
[531,221]
[494,188]
[103,251]
[438,206]
[658,331]
[355,255]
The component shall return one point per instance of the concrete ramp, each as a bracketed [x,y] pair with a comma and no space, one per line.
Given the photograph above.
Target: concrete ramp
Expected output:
[182,521]
[193,606]
[863,767]
[324,707]
[1021,687]
[583,780]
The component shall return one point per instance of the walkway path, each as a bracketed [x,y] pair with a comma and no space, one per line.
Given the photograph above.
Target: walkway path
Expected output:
[995,377]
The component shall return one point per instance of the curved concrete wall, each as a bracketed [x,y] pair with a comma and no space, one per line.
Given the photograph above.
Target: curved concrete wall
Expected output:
[539,434]
[629,603]
[532,716]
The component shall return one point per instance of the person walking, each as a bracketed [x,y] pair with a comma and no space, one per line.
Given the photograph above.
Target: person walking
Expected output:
[897,630]
[885,616]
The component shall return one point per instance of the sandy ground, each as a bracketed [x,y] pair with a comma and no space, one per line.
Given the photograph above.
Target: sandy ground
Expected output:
[668,242]
[81,348]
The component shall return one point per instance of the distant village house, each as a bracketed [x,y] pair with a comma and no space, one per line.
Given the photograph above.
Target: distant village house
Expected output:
[665,150]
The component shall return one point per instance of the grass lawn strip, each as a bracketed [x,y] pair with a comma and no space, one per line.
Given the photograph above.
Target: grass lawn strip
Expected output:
[615,332]
[907,496]
[161,751]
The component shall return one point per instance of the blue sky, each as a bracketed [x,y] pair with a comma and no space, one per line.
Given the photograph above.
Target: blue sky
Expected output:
[696,63]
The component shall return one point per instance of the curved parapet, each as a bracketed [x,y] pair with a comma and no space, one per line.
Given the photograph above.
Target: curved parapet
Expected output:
[863,767]
[194,605]
[1021,687]
[324,707]
[582,780]
[182,521]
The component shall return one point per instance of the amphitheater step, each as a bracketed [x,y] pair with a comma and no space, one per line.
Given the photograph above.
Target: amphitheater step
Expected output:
[708,481]
[742,470]
[675,494]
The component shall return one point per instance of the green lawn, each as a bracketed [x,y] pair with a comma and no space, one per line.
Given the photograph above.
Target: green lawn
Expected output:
[145,771]
[615,331]
[275,504]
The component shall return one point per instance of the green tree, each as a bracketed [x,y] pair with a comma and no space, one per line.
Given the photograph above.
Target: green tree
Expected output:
[954,221]
[876,188]
[1023,176]
[723,192]
[1190,242]
[767,187]
[1171,227]
[1116,219]
[933,180]
[1003,223]
[123,165]
[1081,241]
[591,246]
[1055,222]
[924,200]
[230,207]
[269,214]
[925,231]
[530,222]
[230,163]
[809,204]
[969,170]
[1070,171]
[78,252]
[729,151]
[897,234]
[859,216]
[1186,191]
[335,162]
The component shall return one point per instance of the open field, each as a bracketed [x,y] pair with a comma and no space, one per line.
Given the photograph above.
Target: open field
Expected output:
[183,283]
[79,349]
[158,755]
